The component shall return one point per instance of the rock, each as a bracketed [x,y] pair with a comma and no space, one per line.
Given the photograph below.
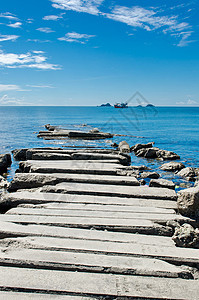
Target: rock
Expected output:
[28,181]
[142,182]
[186,236]
[187,173]
[188,201]
[3,182]
[114,145]
[140,168]
[167,155]
[162,183]
[150,175]
[50,127]
[172,166]
[124,147]
[19,154]
[5,162]
[94,130]
[137,147]
[89,135]
[147,153]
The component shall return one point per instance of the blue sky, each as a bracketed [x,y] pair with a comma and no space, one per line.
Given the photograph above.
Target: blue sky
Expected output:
[88,52]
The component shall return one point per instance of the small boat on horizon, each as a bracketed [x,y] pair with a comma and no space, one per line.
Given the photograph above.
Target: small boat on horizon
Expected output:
[121,105]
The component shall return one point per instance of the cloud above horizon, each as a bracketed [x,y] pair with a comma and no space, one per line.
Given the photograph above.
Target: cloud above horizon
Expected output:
[71,37]
[53,17]
[9,87]
[8,15]
[45,29]
[28,60]
[149,19]
[15,25]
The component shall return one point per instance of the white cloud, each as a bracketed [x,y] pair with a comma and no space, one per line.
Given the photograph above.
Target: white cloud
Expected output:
[184,38]
[45,29]
[8,38]
[15,25]
[53,17]
[87,6]
[6,100]
[41,86]
[8,15]
[38,41]
[27,60]
[76,37]
[191,102]
[9,87]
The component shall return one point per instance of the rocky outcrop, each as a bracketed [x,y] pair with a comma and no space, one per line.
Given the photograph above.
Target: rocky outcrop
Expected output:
[172,166]
[5,162]
[188,173]
[149,175]
[148,151]
[19,154]
[124,147]
[50,127]
[162,183]
[3,182]
[186,236]
[188,202]
[50,156]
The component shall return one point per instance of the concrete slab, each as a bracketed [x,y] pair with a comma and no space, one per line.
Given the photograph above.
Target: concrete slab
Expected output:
[99,263]
[112,190]
[98,284]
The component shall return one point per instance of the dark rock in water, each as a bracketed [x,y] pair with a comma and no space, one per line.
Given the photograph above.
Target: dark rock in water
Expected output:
[106,105]
[167,155]
[19,154]
[50,127]
[150,175]
[114,145]
[94,130]
[147,153]
[172,166]
[5,162]
[188,202]
[140,168]
[124,147]
[50,156]
[141,146]
[186,236]
[187,173]
[162,183]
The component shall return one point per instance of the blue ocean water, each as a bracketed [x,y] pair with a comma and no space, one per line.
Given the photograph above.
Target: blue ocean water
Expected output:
[171,128]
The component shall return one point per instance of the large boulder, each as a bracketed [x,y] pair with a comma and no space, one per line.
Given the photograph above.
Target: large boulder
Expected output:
[187,173]
[188,201]
[147,153]
[3,182]
[167,155]
[5,162]
[172,166]
[137,147]
[162,183]
[124,147]
[186,236]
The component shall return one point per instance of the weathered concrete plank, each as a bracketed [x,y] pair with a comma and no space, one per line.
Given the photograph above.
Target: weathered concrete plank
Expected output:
[99,263]
[100,207]
[8,229]
[38,198]
[125,225]
[99,284]
[10,295]
[112,190]
[170,254]
[32,180]
[96,214]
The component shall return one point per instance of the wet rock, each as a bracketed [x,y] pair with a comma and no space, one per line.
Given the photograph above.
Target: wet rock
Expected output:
[187,173]
[94,130]
[142,182]
[186,236]
[5,162]
[114,145]
[137,147]
[124,147]
[162,183]
[185,185]
[50,127]
[3,182]
[147,153]
[188,202]
[19,154]
[29,181]
[172,166]
[140,168]
[167,155]
[150,175]
[134,173]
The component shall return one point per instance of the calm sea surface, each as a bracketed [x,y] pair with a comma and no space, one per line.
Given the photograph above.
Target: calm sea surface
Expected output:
[171,128]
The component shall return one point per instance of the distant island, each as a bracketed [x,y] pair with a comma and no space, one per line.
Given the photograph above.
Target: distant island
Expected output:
[107,105]
[148,105]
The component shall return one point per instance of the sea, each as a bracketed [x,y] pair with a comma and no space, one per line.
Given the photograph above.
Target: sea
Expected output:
[170,128]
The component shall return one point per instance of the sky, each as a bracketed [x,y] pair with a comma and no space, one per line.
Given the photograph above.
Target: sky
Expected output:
[89,52]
